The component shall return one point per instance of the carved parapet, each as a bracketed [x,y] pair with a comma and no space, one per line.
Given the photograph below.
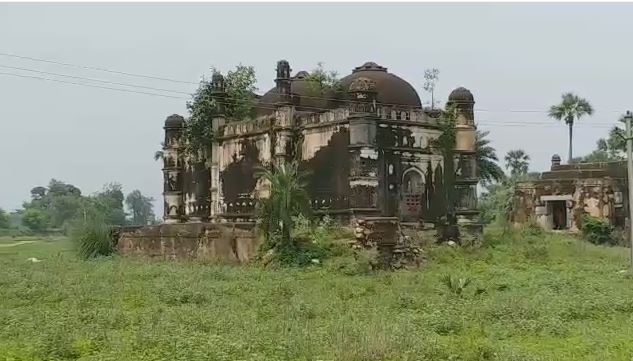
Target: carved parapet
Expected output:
[325,118]
[246,127]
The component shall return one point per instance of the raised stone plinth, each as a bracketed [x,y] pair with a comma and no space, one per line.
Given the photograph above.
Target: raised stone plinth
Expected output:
[225,242]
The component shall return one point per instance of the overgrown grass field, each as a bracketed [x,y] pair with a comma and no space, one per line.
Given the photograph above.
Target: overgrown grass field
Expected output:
[531,297]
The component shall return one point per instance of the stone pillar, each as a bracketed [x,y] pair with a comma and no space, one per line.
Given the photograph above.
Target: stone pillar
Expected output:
[213,159]
[466,177]
[364,163]
[173,169]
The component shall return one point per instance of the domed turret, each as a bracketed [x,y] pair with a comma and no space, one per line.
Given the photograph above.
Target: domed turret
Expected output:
[461,95]
[555,160]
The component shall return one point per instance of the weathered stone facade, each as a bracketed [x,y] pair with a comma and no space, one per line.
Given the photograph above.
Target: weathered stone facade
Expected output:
[560,198]
[368,150]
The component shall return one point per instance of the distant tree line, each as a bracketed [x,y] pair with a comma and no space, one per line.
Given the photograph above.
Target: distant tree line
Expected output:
[54,207]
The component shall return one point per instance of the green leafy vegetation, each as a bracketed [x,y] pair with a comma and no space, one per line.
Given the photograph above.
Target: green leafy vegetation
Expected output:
[140,207]
[323,83]
[237,104]
[517,162]
[53,209]
[277,213]
[598,231]
[92,238]
[487,167]
[573,305]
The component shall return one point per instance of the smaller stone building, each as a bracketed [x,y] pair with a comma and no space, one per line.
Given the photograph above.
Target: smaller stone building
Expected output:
[560,198]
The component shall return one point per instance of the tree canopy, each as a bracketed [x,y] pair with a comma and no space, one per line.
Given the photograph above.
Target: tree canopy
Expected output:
[517,162]
[141,208]
[489,170]
[238,104]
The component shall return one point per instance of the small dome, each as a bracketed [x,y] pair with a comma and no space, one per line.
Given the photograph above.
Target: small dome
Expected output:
[556,158]
[174,121]
[461,95]
[301,75]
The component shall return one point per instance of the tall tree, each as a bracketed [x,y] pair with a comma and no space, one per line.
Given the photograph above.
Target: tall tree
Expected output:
[517,162]
[570,109]
[431,77]
[59,201]
[110,202]
[489,170]
[141,207]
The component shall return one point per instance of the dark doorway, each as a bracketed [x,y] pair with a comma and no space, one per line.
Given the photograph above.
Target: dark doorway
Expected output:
[559,213]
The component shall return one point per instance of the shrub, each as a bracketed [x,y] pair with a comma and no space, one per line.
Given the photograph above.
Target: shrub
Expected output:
[597,231]
[456,285]
[531,228]
[92,238]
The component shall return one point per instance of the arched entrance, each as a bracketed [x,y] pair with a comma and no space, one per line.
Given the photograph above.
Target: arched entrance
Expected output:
[411,195]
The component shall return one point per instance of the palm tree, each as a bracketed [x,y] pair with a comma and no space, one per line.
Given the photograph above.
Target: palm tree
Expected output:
[487,167]
[570,109]
[517,161]
[287,199]
[159,154]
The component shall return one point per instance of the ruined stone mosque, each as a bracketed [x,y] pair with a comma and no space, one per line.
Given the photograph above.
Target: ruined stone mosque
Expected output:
[367,151]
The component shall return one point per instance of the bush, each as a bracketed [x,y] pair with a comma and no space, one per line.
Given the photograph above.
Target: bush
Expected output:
[455,285]
[312,242]
[92,238]
[597,231]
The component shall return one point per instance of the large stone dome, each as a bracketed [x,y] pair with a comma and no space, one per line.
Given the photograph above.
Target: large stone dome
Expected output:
[390,88]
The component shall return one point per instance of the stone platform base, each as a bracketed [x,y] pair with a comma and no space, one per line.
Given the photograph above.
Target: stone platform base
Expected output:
[221,242]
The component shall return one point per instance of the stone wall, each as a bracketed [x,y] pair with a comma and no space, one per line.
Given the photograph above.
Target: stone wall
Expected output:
[219,242]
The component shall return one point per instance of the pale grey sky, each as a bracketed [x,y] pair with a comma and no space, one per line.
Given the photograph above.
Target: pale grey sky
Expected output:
[512,57]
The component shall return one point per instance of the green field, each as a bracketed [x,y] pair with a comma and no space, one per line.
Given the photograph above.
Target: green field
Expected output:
[532,297]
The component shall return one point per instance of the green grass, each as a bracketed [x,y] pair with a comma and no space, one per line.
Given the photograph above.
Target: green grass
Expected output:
[531,297]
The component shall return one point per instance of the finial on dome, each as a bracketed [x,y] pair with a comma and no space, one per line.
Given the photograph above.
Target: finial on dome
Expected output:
[369,66]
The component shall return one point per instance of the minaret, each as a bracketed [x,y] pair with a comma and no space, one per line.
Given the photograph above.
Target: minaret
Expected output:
[284,114]
[172,169]
[218,94]
[367,194]
[283,82]
[466,177]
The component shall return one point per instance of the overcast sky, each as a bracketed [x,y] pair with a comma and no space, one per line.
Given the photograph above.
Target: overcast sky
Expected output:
[512,57]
